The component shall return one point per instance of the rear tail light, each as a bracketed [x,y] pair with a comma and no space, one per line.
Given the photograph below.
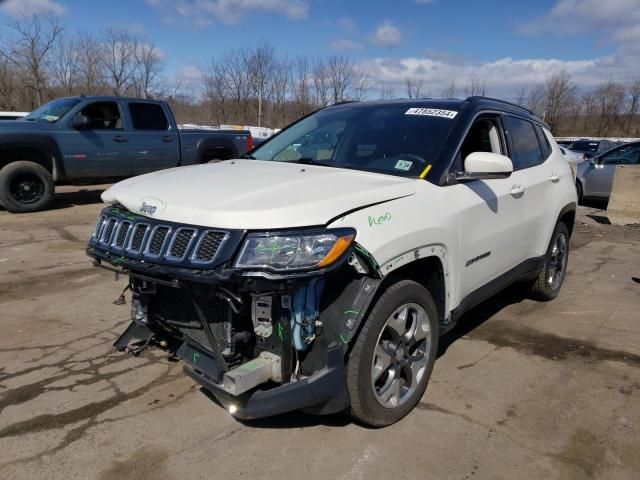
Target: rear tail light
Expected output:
[249,142]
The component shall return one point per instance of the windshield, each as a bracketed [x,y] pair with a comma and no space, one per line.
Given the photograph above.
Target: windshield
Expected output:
[392,139]
[52,111]
[584,146]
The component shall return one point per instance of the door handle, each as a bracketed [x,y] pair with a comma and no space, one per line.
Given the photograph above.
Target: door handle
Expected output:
[555,178]
[120,139]
[167,139]
[517,191]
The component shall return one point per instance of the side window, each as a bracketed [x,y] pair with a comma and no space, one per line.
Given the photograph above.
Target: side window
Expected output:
[148,116]
[483,136]
[526,147]
[103,116]
[544,142]
[627,155]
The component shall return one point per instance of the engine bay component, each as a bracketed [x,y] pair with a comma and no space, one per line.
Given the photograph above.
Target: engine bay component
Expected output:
[261,316]
[252,373]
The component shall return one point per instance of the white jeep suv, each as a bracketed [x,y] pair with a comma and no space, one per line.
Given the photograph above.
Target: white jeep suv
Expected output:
[319,271]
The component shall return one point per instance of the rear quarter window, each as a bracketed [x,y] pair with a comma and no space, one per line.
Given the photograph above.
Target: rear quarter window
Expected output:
[544,142]
[148,116]
[524,140]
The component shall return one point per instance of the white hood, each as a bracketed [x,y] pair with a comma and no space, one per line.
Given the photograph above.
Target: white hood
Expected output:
[251,194]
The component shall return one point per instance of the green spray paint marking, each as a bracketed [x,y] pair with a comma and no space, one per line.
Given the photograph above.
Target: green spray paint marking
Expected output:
[381,220]
[280,331]
[354,312]
[196,357]
[344,339]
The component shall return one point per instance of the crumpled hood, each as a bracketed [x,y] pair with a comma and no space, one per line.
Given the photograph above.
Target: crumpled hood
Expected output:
[251,194]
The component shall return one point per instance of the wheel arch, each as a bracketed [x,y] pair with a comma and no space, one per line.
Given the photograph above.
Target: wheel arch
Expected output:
[568,216]
[38,149]
[223,147]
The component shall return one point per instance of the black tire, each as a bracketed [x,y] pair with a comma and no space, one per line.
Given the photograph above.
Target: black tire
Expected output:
[579,192]
[362,389]
[25,187]
[547,285]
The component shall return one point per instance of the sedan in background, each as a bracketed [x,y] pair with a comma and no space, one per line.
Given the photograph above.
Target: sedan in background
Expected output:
[591,148]
[595,177]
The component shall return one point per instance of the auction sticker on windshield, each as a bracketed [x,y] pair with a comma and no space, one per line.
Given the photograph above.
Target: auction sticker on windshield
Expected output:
[432,112]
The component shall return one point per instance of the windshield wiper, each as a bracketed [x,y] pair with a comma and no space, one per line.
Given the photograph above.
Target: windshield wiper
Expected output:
[248,157]
[311,161]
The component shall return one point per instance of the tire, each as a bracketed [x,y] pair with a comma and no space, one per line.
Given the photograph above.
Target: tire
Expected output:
[549,281]
[579,192]
[379,342]
[25,187]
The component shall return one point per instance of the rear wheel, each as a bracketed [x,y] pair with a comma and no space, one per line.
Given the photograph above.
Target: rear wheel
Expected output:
[392,358]
[547,285]
[25,187]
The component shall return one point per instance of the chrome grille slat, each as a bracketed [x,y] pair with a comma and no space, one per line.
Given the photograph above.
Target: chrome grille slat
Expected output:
[208,246]
[157,240]
[121,234]
[180,243]
[137,237]
[109,227]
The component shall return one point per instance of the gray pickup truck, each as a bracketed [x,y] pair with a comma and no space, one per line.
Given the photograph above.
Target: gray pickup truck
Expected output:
[84,140]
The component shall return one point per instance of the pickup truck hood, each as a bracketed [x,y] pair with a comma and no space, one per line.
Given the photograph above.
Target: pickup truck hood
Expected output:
[250,194]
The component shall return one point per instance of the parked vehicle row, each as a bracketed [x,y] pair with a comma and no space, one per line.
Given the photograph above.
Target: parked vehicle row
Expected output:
[97,140]
[320,271]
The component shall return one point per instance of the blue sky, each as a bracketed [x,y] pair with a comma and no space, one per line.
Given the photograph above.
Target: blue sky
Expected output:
[504,43]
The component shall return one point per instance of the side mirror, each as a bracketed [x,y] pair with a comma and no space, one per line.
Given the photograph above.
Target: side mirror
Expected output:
[486,166]
[80,121]
[593,161]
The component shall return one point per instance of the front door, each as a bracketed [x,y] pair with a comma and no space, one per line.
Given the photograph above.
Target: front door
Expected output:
[101,149]
[599,178]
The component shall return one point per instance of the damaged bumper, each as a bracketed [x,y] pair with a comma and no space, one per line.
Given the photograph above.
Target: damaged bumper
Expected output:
[262,343]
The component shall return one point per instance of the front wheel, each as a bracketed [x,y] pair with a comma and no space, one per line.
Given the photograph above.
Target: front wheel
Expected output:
[393,356]
[547,285]
[25,187]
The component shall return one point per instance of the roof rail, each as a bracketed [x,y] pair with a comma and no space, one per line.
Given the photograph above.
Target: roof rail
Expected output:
[476,97]
[342,102]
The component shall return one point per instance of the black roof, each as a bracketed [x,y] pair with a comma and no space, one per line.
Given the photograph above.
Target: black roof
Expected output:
[476,103]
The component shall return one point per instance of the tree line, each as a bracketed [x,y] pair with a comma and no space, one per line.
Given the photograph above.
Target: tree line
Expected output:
[40,60]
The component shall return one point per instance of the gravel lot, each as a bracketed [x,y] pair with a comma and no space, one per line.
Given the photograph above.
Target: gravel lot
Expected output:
[521,389]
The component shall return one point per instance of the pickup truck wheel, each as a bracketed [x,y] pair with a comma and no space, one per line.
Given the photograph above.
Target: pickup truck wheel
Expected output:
[547,285]
[393,356]
[25,187]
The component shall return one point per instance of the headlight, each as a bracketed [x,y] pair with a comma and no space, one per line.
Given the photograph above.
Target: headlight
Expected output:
[294,250]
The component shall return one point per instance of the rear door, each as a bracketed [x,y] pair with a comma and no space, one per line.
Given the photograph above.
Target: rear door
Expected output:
[99,150]
[155,143]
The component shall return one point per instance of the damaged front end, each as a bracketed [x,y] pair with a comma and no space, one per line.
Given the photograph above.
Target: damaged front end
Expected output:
[263,320]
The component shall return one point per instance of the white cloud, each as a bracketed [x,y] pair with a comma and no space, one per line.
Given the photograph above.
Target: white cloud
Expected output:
[342,44]
[615,18]
[201,12]
[503,77]
[18,8]
[386,35]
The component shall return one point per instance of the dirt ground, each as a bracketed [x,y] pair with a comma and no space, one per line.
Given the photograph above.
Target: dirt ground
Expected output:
[521,389]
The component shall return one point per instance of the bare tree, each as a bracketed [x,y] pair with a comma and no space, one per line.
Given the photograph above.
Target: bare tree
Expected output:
[10,93]
[558,93]
[65,64]
[30,48]
[341,77]
[90,65]
[609,101]
[633,107]
[386,92]
[301,86]
[414,86]
[261,63]
[450,91]
[321,83]
[119,60]
[521,96]
[475,87]
[148,68]
[361,84]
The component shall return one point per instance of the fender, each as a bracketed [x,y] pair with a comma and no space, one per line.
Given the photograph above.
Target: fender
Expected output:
[38,147]
[208,143]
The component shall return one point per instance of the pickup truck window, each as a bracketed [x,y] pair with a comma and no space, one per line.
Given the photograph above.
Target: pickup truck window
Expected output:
[103,116]
[148,116]
[52,111]
[379,138]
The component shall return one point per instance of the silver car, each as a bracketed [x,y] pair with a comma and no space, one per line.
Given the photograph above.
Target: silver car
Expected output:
[595,177]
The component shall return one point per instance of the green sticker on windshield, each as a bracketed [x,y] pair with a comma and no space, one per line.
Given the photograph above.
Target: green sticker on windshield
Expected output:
[403,165]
